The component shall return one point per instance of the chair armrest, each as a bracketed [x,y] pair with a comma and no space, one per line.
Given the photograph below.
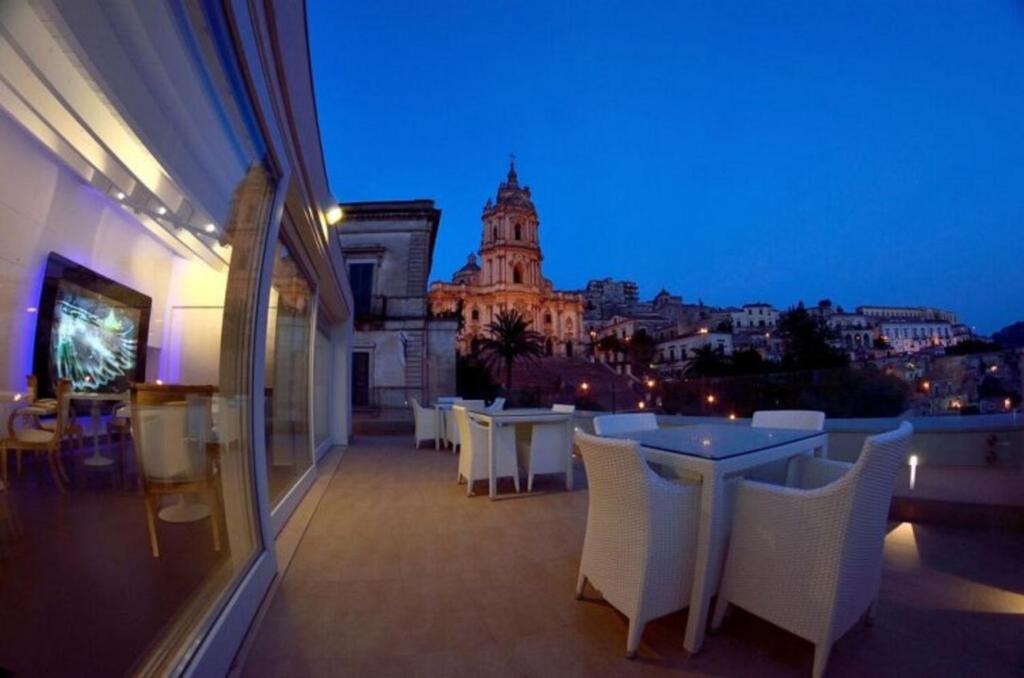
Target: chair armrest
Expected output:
[814,472]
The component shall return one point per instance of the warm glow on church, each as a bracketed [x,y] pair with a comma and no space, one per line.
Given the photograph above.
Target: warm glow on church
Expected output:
[509,277]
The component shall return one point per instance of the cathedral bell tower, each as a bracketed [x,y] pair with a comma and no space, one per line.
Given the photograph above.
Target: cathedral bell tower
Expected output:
[510,246]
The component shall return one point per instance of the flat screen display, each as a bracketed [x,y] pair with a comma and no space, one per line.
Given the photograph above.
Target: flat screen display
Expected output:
[91,330]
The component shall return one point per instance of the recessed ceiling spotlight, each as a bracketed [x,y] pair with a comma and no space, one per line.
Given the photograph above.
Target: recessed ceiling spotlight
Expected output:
[161,210]
[209,228]
[119,195]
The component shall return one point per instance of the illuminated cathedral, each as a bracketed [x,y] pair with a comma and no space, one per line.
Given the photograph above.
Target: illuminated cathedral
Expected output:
[507,275]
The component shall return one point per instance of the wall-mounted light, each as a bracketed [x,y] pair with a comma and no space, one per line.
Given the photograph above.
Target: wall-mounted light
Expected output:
[913,470]
[334,215]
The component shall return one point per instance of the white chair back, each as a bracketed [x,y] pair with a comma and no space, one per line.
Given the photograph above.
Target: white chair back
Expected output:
[453,433]
[170,442]
[448,399]
[873,477]
[800,420]
[612,424]
[497,406]
[563,408]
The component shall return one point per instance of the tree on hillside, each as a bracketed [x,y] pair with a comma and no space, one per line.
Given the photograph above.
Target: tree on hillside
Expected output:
[707,361]
[807,338]
[509,338]
[971,346]
[1011,336]
[610,344]
[640,349]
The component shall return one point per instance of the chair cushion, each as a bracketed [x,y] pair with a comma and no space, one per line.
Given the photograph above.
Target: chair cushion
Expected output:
[37,410]
[34,435]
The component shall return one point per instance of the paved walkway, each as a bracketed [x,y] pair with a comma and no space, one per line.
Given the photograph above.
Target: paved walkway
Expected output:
[399,573]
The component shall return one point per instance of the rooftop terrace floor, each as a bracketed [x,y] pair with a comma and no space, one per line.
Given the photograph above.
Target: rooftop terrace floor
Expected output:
[399,573]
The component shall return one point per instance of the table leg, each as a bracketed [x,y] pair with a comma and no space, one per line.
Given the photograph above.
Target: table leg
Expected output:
[568,456]
[491,441]
[96,459]
[708,547]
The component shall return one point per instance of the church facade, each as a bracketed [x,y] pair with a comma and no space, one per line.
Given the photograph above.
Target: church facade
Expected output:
[507,275]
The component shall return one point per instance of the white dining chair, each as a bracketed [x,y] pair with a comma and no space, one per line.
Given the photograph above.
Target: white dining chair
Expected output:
[473,462]
[548,449]
[809,559]
[497,405]
[452,433]
[425,421]
[777,472]
[612,424]
[641,534]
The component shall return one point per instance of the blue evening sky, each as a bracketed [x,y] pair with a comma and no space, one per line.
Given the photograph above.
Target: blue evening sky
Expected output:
[868,152]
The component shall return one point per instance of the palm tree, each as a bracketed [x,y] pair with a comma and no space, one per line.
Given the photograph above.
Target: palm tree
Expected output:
[509,339]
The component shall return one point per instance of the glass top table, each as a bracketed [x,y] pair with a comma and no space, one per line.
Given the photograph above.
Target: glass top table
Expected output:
[716,453]
[716,441]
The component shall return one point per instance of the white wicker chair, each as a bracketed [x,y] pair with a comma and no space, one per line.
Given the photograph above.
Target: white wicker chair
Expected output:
[548,449]
[473,451]
[497,406]
[426,421]
[641,534]
[452,433]
[810,560]
[611,424]
[800,420]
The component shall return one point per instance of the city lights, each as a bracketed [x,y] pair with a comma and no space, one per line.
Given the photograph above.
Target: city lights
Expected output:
[711,399]
[585,386]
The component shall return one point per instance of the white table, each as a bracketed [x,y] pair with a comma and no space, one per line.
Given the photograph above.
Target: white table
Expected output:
[715,452]
[94,400]
[522,416]
[439,424]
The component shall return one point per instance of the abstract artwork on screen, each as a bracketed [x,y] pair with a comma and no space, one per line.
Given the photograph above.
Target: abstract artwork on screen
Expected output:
[94,340]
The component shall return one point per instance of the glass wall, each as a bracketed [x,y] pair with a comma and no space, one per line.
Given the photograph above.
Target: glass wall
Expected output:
[322,364]
[128,511]
[287,394]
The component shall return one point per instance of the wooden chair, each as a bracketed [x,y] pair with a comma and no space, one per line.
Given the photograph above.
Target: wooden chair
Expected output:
[40,440]
[170,427]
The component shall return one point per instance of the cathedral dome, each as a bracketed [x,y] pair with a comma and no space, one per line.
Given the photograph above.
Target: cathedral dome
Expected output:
[469,273]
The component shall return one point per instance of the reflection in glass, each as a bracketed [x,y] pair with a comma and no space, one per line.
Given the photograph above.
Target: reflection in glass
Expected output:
[289,453]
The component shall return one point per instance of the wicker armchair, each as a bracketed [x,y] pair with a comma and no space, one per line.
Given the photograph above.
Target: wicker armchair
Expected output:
[548,449]
[641,534]
[426,422]
[452,432]
[473,451]
[810,560]
[497,405]
[800,420]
